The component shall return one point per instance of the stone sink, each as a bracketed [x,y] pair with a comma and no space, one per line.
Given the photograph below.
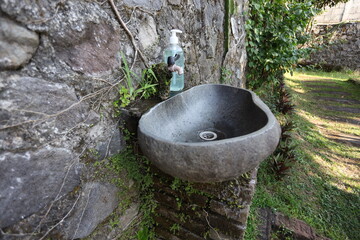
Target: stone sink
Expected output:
[209,133]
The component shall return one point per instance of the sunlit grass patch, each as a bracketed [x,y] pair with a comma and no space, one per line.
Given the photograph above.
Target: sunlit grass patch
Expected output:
[323,187]
[316,74]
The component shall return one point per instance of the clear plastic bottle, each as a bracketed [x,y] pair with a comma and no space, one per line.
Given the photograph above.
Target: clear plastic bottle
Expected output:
[177,80]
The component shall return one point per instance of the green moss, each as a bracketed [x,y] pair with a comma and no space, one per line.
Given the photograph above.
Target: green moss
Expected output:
[119,169]
[186,188]
[163,78]
[174,228]
[225,75]
[229,11]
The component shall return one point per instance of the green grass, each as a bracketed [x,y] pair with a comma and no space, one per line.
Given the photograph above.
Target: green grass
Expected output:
[297,84]
[323,187]
[344,75]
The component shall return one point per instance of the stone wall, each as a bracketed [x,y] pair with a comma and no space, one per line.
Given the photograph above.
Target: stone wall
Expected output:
[341,12]
[59,73]
[341,46]
[212,211]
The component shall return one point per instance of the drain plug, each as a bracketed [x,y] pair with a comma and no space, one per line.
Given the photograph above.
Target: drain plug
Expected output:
[208,135]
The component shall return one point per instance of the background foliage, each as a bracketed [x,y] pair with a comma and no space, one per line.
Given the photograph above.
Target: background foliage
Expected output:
[275,30]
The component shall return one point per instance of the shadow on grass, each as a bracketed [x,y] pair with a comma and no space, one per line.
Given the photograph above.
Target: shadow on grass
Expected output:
[338,197]
[311,193]
[319,189]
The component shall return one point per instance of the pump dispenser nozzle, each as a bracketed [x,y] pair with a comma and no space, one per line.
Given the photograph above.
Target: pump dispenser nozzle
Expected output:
[174,39]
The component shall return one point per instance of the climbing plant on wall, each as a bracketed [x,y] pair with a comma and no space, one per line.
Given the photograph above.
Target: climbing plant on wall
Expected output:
[275,30]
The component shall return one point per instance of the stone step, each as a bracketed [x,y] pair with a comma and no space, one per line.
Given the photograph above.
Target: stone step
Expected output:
[341,109]
[348,139]
[339,100]
[343,120]
[321,86]
[320,82]
[271,221]
[342,93]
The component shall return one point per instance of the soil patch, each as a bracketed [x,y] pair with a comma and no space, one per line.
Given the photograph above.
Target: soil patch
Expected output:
[342,109]
[322,82]
[339,100]
[344,138]
[331,92]
[320,86]
[343,120]
[354,161]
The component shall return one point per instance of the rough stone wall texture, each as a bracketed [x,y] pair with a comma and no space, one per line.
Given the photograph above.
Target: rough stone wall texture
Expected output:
[271,224]
[59,69]
[341,46]
[203,211]
[342,12]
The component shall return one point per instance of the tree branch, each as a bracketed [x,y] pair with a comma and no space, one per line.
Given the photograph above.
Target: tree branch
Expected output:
[132,39]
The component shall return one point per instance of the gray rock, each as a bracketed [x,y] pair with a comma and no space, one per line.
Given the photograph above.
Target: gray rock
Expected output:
[236,58]
[96,51]
[85,38]
[31,179]
[78,54]
[36,13]
[35,112]
[147,33]
[17,44]
[97,201]
[79,34]
[149,4]
[213,24]
[129,215]
[111,145]
[175,2]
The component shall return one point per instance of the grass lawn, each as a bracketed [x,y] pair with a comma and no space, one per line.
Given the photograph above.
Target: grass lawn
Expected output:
[323,186]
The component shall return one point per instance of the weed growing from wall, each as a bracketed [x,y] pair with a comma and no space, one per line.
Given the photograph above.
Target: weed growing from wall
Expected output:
[225,75]
[135,86]
[153,81]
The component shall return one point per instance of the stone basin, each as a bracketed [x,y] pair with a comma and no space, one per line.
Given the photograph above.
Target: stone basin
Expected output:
[209,133]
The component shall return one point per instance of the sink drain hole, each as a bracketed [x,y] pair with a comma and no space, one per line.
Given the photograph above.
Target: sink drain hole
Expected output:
[208,135]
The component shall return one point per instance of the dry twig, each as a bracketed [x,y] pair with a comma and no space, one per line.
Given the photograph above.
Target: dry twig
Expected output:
[207,220]
[132,39]
[62,220]
[2,233]
[57,197]
[82,214]
[43,20]
[46,116]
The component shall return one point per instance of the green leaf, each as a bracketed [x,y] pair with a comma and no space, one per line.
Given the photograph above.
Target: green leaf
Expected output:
[274,31]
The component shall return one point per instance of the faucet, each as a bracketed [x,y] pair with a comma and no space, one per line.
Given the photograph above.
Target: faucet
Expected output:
[172,66]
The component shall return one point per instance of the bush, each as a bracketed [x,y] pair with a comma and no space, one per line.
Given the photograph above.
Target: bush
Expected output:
[275,30]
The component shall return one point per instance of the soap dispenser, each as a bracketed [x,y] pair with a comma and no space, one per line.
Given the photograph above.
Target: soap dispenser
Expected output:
[174,58]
